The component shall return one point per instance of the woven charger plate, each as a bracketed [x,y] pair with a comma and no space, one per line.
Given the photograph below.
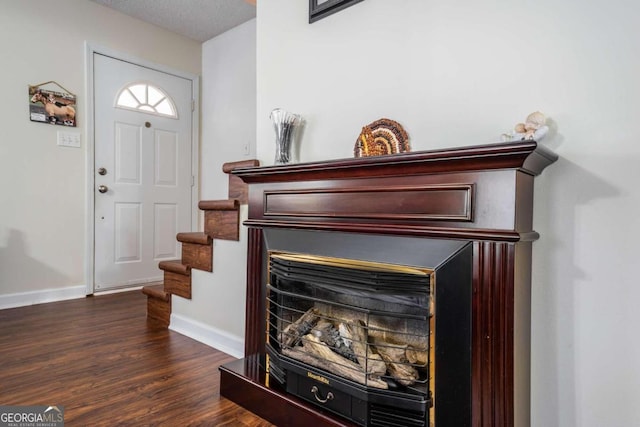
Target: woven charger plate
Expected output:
[384,136]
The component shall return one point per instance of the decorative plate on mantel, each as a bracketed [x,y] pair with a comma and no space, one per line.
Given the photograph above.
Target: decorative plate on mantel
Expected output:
[384,136]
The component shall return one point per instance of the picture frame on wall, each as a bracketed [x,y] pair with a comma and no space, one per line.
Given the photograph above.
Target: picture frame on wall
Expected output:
[319,9]
[50,106]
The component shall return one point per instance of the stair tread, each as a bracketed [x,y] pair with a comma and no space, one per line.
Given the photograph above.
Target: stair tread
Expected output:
[219,205]
[175,266]
[230,166]
[156,291]
[197,237]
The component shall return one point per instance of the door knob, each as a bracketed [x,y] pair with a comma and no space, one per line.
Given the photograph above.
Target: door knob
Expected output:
[103,188]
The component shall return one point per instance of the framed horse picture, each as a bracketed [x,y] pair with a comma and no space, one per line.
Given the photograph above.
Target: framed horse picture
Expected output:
[48,106]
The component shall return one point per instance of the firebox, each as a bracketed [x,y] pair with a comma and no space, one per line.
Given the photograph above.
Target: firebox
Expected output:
[390,290]
[353,337]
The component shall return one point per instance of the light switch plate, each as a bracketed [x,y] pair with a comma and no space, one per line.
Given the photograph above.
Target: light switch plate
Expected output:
[69,139]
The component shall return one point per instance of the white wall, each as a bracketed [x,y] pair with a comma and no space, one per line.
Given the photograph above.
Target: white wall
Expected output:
[228,125]
[42,186]
[461,73]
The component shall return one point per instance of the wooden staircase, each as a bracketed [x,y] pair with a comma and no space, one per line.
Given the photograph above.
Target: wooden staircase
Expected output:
[221,221]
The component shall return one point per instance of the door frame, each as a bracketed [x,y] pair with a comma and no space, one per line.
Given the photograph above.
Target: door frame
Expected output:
[90,49]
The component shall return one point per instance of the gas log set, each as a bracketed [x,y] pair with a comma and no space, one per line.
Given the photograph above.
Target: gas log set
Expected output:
[342,346]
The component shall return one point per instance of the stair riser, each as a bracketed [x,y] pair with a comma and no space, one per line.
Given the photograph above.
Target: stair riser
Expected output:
[159,310]
[198,256]
[177,284]
[223,225]
[237,188]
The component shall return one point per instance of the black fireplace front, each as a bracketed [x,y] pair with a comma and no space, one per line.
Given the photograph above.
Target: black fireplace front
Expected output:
[361,338]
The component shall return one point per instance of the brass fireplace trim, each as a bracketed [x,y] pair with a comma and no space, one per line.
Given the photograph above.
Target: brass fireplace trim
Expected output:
[432,350]
[350,263]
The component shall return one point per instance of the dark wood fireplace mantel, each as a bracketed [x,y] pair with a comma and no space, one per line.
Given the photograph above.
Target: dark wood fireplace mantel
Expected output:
[527,156]
[480,194]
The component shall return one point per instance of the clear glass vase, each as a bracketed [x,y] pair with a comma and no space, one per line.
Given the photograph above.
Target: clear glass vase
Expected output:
[287,126]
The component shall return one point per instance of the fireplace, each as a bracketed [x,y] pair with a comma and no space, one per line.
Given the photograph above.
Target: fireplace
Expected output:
[390,291]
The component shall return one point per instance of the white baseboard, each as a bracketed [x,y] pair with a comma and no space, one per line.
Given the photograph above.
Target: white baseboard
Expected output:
[220,340]
[39,297]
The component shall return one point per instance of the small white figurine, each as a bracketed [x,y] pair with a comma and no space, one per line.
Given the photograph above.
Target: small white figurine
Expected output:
[534,128]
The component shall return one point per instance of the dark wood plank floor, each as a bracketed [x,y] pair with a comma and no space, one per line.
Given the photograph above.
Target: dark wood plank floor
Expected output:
[102,360]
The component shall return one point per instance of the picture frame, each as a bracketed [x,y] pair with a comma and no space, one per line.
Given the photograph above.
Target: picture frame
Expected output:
[319,9]
[53,107]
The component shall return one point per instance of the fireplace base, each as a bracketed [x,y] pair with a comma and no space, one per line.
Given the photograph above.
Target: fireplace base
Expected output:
[246,383]
[362,407]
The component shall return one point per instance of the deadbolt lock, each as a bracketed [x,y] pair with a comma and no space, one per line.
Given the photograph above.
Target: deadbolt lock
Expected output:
[102,171]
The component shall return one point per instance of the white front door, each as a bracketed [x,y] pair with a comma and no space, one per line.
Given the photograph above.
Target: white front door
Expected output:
[143,176]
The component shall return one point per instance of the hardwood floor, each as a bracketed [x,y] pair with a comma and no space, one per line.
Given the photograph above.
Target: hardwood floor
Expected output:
[102,360]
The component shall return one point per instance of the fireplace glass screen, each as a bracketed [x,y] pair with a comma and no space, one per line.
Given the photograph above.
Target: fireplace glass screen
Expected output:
[353,337]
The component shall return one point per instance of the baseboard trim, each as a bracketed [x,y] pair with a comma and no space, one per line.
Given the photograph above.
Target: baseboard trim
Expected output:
[220,340]
[23,299]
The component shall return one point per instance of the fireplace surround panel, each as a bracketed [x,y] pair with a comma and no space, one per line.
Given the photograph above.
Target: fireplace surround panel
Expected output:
[462,216]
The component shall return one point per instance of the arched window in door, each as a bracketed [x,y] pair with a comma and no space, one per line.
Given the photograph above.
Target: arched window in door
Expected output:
[146,98]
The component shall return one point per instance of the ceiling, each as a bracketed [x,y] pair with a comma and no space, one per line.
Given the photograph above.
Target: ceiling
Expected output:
[199,20]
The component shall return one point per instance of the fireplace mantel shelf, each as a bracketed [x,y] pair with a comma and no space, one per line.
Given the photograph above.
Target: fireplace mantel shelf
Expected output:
[528,156]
